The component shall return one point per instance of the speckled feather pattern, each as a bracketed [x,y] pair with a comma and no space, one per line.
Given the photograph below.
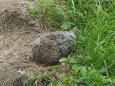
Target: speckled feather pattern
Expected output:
[51,47]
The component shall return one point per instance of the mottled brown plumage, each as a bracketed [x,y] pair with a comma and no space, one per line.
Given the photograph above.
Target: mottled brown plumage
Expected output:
[52,46]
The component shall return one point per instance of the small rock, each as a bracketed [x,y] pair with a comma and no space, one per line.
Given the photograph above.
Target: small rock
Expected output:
[51,47]
[20,81]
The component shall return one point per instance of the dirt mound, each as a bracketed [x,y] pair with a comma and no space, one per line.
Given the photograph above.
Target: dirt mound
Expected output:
[14,17]
[14,14]
[16,35]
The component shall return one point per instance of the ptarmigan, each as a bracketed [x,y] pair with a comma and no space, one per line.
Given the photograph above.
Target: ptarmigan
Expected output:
[50,47]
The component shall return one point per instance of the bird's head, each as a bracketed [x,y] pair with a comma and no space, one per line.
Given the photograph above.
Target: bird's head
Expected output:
[74,30]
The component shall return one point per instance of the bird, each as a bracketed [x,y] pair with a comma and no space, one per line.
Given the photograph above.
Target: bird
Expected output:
[50,47]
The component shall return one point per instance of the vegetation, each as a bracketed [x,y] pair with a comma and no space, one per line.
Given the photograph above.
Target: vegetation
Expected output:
[92,62]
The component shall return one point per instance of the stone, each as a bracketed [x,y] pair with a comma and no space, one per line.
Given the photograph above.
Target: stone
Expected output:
[21,81]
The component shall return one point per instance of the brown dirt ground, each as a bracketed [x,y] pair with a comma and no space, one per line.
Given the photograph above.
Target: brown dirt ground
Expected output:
[15,43]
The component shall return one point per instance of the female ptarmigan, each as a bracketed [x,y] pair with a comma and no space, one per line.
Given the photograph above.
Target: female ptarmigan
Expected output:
[52,46]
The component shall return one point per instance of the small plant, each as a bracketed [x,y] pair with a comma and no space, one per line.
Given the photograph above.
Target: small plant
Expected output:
[32,10]
[41,79]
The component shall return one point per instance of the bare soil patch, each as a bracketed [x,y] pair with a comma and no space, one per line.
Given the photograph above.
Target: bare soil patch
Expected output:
[16,36]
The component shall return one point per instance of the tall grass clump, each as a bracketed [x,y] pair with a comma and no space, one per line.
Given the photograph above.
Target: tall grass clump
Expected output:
[92,62]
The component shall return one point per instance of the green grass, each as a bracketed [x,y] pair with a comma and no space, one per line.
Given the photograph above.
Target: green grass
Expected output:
[92,62]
